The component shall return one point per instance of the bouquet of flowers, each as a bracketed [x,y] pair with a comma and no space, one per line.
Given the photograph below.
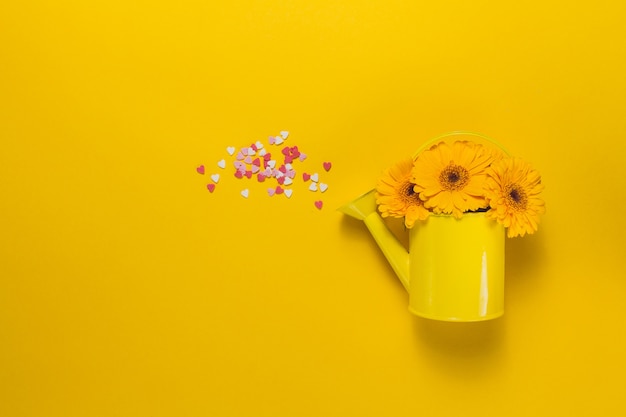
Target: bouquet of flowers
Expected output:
[463,177]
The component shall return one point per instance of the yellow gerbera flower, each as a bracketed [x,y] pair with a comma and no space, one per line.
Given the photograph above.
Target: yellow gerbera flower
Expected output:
[449,178]
[512,189]
[395,195]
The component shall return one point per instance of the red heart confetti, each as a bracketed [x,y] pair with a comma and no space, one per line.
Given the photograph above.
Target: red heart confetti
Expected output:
[306,176]
[200,169]
[210,187]
[319,204]
[327,166]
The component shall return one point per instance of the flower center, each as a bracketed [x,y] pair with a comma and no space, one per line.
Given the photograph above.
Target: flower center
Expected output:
[516,197]
[409,193]
[453,177]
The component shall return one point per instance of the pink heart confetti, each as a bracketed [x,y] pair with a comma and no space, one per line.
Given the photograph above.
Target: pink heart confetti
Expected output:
[210,187]
[239,165]
[240,156]
[319,204]
[248,159]
[271,191]
[272,140]
[306,177]
[255,169]
[302,157]
[200,169]
[327,166]
[244,151]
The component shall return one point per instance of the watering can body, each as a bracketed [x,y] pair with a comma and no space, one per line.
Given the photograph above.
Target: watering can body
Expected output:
[454,268]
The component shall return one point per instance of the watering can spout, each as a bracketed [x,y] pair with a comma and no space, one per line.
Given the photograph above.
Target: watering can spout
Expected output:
[364,208]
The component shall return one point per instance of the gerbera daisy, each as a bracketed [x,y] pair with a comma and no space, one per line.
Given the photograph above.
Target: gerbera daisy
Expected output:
[449,178]
[395,195]
[512,189]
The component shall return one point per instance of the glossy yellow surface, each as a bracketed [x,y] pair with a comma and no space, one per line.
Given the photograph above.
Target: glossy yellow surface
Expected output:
[127,289]
[457,268]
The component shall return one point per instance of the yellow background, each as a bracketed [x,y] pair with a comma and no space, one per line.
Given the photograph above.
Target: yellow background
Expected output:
[126,289]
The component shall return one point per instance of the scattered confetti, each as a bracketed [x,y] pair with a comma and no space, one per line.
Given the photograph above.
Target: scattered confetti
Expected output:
[279,172]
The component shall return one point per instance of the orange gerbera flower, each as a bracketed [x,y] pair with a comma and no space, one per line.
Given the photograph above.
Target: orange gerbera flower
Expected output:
[449,178]
[395,195]
[513,189]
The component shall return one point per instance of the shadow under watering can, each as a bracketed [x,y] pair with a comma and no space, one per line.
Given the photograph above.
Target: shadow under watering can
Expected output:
[454,268]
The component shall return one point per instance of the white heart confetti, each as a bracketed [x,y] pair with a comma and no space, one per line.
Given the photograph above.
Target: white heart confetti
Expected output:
[222,164]
[230,150]
[313,187]
[284,134]
[251,151]
[215,178]
[278,140]
[271,163]
[315,177]
[288,181]
[323,187]
[262,152]
[245,193]
[288,193]
[258,144]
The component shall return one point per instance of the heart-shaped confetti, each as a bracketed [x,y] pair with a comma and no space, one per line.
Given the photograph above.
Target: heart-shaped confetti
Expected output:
[258,145]
[279,190]
[271,140]
[281,180]
[302,157]
[327,166]
[244,151]
[230,150]
[245,193]
[210,187]
[256,162]
[278,140]
[284,134]
[255,169]
[260,177]
[215,178]
[248,159]
[287,181]
[315,177]
[288,193]
[319,204]
[271,163]
[271,191]
[313,187]
[240,166]
[222,163]
[248,174]
[239,174]
[262,152]
[306,177]
[251,151]
[200,169]
[240,156]
[323,187]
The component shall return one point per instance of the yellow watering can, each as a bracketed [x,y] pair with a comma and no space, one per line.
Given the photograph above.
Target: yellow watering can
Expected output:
[454,269]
